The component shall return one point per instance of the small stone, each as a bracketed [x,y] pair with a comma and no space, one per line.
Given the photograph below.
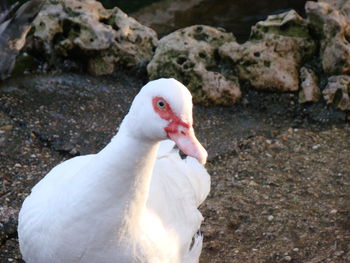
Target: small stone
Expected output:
[309,86]
[74,151]
[287,258]
[18,165]
[296,249]
[333,211]
[270,217]
[337,92]
[315,147]
[339,253]
[6,127]
[266,197]
[252,183]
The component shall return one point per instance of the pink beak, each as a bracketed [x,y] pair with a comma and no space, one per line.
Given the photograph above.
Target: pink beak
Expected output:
[187,142]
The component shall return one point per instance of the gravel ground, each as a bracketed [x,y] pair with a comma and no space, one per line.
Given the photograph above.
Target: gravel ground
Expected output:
[280,171]
[281,199]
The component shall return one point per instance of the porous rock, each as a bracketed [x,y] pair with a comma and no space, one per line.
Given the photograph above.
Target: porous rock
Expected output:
[341,5]
[288,24]
[190,55]
[272,57]
[84,31]
[309,92]
[337,91]
[332,27]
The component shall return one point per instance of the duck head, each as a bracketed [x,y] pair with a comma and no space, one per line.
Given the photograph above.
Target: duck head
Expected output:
[163,110]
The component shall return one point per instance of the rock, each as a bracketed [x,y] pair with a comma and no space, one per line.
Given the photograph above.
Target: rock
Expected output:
[266,64]
[252,183]
[287,24]
[104,40]
[287,258]
[310,92]
[8,222]
[5,128]
[342,5]
[190,55]
[14,27]
[333,211]
[337,92]
[333,30]
[274,54]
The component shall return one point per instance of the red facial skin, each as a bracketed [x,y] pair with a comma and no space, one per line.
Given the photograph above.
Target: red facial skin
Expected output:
[167,114]
[179,131]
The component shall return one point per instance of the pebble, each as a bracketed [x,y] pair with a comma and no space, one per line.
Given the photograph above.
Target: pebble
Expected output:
[6,128]
[252,183]
[339,253]
[287,258]
[315,147]
[74,151]
[334,211]
[270,217]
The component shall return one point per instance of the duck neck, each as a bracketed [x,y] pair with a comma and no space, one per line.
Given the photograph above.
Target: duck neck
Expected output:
[128,163]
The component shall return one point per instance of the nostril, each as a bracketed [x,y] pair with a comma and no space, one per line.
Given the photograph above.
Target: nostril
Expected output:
[183,133]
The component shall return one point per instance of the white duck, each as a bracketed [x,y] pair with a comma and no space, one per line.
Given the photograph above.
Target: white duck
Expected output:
[132,201]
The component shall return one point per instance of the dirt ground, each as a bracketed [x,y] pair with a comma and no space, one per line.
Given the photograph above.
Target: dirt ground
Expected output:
[280,171]
[281,199]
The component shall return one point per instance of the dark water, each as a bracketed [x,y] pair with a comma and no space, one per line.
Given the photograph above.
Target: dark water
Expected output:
[165,16]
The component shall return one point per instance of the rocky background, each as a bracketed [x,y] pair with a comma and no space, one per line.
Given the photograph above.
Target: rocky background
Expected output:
[272,112]
[284,53]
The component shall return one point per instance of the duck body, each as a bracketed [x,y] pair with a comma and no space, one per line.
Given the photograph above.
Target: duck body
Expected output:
[131,202]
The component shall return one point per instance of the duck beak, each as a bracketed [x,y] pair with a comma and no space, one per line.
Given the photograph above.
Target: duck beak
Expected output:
[187,142]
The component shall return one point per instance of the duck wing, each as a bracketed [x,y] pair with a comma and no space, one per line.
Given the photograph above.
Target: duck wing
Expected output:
[177,188]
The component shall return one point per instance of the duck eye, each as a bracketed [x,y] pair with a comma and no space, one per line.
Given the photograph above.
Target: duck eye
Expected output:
[161,104]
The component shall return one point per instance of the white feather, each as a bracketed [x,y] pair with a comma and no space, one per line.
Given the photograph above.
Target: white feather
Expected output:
[131,202]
